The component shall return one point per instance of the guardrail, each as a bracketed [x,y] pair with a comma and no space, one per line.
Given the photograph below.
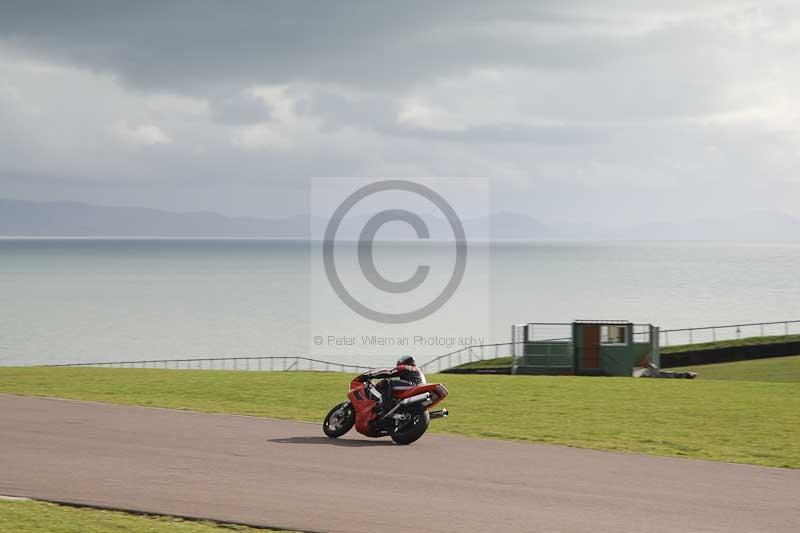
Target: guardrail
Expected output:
[286,363]
[673,337]
[468,354]
[290,363]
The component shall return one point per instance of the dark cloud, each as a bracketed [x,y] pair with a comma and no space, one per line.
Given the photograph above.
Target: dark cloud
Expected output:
[188,46]
[227,106]
[239,108]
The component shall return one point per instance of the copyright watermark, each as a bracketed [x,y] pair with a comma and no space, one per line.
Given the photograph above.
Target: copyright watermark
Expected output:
[414,341]
[365,251]
[396,261]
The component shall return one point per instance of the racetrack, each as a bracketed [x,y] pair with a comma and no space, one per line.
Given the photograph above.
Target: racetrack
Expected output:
[286,474]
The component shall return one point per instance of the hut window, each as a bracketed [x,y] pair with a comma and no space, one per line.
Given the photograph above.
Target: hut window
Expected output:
[613,335]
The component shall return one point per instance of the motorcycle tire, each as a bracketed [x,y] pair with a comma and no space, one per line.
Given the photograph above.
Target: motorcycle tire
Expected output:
[414,430]
[344,425]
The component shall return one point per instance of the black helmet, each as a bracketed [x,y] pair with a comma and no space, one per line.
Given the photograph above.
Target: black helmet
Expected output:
[406,360]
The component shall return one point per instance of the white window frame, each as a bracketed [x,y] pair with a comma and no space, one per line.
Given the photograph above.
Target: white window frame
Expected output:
[626,335]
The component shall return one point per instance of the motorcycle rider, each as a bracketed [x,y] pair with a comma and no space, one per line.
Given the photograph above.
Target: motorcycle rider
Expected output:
[407,375]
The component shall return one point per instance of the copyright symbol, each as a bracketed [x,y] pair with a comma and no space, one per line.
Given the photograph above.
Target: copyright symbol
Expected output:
[365,251]
[318,340]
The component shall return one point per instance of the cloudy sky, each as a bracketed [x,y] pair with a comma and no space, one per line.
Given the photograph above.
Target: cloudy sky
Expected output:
[574,110]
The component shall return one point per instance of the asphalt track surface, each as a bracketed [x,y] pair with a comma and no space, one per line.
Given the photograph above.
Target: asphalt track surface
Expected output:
[286,474]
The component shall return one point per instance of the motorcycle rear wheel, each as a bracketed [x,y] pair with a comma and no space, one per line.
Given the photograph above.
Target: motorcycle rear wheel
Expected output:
[337,423]
[414,430]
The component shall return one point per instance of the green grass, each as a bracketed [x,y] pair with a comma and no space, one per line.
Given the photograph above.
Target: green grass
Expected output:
[774,369]
[746,422]
[39,517]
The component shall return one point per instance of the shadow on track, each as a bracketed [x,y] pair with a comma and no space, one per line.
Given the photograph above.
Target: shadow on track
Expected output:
[332,442]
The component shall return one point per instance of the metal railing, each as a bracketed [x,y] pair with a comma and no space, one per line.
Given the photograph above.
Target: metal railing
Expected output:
[468,354]
[674,337]
[290,363]
[285,363]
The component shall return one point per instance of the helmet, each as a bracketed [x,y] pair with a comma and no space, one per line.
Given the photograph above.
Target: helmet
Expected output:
[406,360]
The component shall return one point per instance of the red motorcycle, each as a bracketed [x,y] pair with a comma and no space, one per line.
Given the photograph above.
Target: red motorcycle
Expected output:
[405,422]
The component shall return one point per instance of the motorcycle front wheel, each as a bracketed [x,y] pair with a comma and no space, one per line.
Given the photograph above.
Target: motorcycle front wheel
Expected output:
[414,429]
[339,420]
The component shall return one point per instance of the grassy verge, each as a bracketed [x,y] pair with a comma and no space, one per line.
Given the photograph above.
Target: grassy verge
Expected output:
[499,362]
[37,517]
[775,369]
[747,422]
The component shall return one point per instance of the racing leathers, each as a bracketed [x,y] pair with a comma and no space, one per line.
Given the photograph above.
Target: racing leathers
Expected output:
[401,377]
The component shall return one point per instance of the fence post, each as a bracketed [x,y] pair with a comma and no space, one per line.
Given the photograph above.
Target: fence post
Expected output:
[691,336]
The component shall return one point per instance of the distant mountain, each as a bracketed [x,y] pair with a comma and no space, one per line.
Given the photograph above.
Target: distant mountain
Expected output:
[72,219]
[506,225]
[22,218]
[500,226]
[752,226]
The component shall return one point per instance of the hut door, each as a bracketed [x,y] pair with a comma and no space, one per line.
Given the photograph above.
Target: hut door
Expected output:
[591,346]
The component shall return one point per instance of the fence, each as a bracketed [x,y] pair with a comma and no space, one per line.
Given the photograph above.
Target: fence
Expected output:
[275,363]
[675,337]
[297,363]
[468,354]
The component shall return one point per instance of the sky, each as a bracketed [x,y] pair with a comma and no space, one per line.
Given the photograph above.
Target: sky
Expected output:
[624,111]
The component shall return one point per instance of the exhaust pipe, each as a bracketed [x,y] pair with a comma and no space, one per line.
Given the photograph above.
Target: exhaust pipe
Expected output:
[440,413]
[425,396]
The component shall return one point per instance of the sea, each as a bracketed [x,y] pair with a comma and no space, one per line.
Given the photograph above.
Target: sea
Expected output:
[95,300]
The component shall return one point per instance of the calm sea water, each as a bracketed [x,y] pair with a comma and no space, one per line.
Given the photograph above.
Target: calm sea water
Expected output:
[103,300]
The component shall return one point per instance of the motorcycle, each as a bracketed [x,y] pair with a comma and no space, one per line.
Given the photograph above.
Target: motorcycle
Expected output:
[405,422]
